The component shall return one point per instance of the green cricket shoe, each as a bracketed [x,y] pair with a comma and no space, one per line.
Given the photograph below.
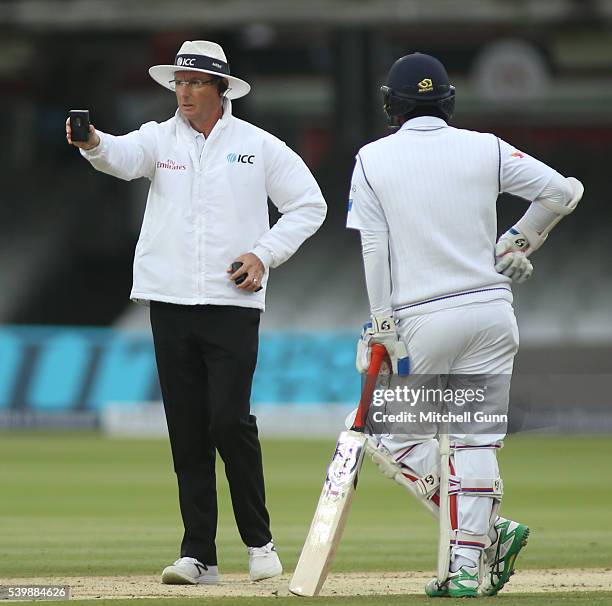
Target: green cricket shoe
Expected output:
[434,590]
[463,583]
[501,556]
[460,584]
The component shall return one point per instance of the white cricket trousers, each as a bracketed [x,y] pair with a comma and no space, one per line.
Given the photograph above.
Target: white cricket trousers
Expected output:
[477,338]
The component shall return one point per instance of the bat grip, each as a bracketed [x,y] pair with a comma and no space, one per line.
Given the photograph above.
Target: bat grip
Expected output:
[377,355]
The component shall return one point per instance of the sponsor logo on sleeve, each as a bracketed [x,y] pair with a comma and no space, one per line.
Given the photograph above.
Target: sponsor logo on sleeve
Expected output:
[517,154]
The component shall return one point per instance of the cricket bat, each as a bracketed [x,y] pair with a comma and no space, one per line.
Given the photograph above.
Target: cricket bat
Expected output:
[444,535]
[335,501]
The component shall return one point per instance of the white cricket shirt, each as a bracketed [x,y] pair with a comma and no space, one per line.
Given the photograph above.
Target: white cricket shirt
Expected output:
[207,205]
[433,189]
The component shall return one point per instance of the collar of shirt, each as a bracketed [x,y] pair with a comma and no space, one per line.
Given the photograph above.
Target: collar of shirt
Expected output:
[199,138]
[424,123]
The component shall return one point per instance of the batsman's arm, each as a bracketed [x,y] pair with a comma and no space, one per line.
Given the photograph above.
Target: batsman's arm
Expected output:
[375,251]
[559,198]
[366,214]
[553,197]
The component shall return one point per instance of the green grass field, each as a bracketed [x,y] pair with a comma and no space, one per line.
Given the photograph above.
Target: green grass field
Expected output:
[551,599]
[80,504]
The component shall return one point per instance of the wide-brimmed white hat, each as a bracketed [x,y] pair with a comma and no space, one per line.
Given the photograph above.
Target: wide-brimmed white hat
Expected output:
[200,56]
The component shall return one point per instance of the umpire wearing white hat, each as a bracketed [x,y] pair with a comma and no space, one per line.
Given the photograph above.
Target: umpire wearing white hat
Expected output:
[211,175]
[203,57]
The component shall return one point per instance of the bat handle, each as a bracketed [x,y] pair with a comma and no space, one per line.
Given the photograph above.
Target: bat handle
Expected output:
[377,355]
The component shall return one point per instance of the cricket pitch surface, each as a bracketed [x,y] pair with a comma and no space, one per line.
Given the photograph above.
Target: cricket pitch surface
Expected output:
[338,584]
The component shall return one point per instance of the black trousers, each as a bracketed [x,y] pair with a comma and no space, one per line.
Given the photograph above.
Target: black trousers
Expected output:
[206,356]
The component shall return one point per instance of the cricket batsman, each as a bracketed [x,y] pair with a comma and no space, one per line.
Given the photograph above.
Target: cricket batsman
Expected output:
[440,292]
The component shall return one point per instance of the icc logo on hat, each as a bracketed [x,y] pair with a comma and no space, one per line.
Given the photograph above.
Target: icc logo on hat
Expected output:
[185,61]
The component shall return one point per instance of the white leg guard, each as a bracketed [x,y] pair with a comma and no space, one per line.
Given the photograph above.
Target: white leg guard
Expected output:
[477,489]
[414,467]
[474,493]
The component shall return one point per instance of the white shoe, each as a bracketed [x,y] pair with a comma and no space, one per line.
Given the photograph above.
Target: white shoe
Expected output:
[264,562]
[189,571]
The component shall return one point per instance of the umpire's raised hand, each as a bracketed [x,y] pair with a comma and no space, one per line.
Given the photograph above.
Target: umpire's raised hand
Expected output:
[92,141]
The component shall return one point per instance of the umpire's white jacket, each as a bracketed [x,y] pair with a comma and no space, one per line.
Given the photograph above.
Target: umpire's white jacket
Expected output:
[204,210]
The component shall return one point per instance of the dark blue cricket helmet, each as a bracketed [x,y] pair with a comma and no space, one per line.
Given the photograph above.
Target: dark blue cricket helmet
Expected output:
[417,83]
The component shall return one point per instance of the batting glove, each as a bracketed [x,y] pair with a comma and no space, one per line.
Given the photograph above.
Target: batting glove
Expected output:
[510,258]
[381,329]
